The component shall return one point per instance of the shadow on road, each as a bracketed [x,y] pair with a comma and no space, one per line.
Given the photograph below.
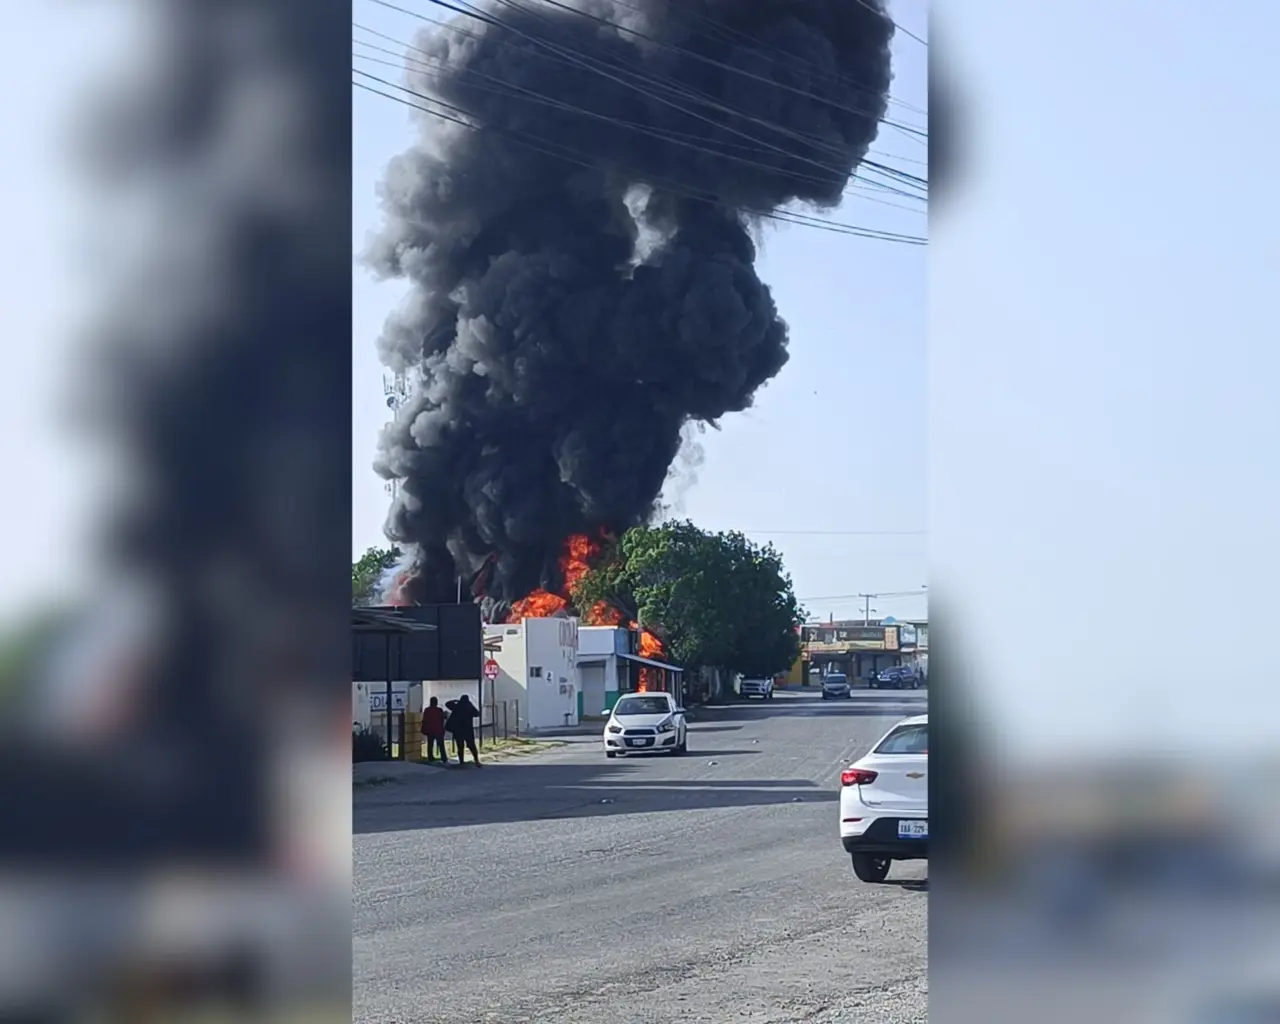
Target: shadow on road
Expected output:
[501,793]
[694,754]
[883,705]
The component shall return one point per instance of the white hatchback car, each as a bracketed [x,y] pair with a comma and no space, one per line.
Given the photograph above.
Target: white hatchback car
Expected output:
[646,722]
[884,801]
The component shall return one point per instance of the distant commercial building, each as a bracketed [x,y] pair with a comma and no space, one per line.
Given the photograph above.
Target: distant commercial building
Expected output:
[860,649]
[914,640]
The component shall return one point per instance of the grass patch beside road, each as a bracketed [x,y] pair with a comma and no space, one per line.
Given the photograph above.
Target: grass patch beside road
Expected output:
[515,746]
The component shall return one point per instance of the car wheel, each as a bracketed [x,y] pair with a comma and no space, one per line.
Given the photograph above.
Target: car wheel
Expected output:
[870,869]
[682,747]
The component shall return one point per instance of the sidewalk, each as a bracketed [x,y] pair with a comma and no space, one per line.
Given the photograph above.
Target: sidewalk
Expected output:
[561,732]
[376,773]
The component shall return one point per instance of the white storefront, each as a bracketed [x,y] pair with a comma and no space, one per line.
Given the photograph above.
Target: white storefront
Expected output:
[537,671]
[601,668]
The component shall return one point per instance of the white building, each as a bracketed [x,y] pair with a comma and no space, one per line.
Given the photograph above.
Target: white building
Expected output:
[537,671]
[608,668]
[602,668]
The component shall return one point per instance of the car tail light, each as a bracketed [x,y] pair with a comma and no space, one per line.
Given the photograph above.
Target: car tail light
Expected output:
[857,777]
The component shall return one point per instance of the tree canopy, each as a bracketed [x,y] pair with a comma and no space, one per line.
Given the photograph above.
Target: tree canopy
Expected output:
[715,599]
[368,570]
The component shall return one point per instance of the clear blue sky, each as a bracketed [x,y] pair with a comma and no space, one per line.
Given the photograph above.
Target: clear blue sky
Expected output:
[835,442]
[1104,426]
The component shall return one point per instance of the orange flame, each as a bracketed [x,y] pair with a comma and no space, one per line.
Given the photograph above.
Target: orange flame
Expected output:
[649,646]
[602,614]
[580,551]
[541,604]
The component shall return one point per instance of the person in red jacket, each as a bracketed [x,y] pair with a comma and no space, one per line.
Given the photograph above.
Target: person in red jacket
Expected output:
[433,718]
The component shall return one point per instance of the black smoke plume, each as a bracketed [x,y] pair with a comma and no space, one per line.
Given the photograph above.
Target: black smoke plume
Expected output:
[581,255]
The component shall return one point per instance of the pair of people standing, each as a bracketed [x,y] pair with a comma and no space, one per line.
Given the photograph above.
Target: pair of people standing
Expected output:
[459,722]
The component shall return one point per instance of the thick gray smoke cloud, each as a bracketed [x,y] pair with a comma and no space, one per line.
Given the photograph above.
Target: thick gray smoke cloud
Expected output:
[582,267]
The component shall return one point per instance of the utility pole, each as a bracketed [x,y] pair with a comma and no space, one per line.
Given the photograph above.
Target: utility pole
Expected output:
[866,612]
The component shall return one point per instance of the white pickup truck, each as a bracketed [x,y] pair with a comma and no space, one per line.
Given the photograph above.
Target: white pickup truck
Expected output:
[762,688]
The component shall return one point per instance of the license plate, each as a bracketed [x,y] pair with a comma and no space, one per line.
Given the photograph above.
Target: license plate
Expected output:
[639,743]
[913,830]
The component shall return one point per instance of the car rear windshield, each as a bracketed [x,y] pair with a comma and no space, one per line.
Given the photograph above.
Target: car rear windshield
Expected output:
[642,706]
[907,739]
[836,679]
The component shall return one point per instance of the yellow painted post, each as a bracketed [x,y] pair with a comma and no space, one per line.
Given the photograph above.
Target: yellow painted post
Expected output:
[413,736]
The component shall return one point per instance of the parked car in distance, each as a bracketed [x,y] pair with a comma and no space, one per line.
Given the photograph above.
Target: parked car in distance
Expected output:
[762,688]
[884,801]
[646,722]
[898,677]
[836,687]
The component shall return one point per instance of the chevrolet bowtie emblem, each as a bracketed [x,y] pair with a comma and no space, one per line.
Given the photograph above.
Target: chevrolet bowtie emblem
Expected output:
[915,775]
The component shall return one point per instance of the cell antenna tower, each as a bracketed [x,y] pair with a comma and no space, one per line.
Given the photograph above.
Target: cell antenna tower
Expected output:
[396,389]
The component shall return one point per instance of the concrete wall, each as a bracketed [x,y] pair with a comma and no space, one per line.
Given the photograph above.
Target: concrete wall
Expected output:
[605,642]
[551,680]
[361,711]
[512,671]
[602,640]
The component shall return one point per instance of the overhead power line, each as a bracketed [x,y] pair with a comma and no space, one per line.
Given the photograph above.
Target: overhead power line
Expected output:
[574,156]
[555,51]
[903,184]
[735,36]
[501,87]
[607,70]
[454,27]
[892,596]
[905,31]
[469,7]
[671,48]
[837,533]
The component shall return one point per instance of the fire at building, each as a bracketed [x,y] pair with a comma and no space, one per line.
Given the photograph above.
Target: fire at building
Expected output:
[581,553]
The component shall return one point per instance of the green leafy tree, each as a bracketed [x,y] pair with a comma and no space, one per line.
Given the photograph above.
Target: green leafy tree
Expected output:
[715,599]
[368,570]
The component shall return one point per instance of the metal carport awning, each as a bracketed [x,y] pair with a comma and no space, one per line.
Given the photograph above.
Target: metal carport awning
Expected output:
[380,622]
[651,663]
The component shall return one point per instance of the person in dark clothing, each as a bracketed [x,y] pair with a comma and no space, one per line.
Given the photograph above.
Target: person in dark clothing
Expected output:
[433,719]
[462,726]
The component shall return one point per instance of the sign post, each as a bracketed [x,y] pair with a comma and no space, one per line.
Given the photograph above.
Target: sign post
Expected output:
[490,673]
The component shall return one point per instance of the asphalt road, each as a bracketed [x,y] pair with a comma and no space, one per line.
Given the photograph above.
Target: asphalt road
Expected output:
[572,888]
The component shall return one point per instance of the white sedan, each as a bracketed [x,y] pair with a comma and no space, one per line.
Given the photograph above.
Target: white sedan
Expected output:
[643,722]
[884,801]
